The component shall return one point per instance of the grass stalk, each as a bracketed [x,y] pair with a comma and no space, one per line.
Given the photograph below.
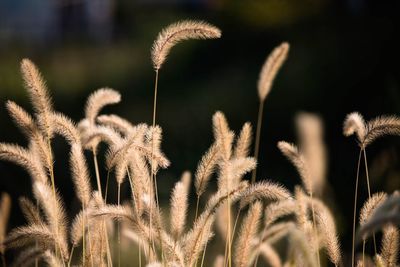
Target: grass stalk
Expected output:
[109,259]
[53,186]
[355,210]
[369,191]
[204,255]
[70,256]
[83,242]
[153,178]
[118,228]
[96,168]
[140,253]
[197,208]
[258,136]
[234,231]
[229,233]
[36,242]
[363,253]
[106,190]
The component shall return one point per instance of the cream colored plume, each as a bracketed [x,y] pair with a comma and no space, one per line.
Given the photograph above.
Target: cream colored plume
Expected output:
[39,96]
[177,32]
[270,68]
[312,146]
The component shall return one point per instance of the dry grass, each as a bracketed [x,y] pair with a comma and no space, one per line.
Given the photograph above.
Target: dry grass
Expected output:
[280,228]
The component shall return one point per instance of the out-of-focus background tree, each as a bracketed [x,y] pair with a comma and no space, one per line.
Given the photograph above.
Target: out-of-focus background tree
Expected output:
[344,57]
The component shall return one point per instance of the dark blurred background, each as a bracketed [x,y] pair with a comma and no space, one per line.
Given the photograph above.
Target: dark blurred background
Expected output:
[344,57]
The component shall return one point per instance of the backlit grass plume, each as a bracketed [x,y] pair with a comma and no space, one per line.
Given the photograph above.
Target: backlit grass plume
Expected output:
[366,133]
[233,222]
[178,32]
[268,73]
[166,39]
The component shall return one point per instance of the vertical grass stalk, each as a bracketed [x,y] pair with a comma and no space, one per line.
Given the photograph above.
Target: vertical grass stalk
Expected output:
[118,228]
[369,190]
[355,210]
[258,137]
[96,168]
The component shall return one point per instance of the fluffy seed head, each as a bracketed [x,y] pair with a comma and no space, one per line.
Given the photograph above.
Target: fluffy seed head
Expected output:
[99,99]
[381,126]
[223,135]
[264,190]
[247,233]
[312,146]
[206,168]
[179,205]
[370,205]
[38,94]
[298,160]
[354,124]
[270,69]
[22,118]
[243,143]
[177,32]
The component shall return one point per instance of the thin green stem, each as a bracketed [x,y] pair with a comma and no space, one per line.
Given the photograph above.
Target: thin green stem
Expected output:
[355,210]
[258,136]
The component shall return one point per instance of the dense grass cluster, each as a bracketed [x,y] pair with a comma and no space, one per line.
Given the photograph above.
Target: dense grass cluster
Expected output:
[259,222]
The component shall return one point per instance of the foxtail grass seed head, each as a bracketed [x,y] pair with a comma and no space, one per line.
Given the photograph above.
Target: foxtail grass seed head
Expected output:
[270,69]
[296,157]
[247,233]
[243,143]
[39,96]
[99,99]
[298,224]
[177,32]
[370,205]
[354,124]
